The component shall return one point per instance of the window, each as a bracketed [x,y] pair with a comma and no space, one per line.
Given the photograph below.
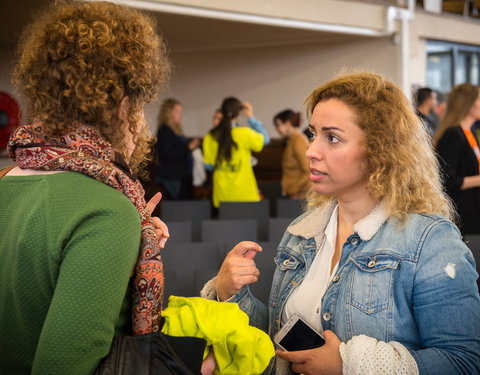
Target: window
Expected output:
[450,64]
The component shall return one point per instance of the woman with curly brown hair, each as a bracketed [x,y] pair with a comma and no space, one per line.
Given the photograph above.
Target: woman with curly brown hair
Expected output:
[74,223]
[375,263]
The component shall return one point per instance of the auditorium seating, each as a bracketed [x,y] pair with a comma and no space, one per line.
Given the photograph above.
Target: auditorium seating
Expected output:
[193,210]
[259,211]
[290,207]
[199,242]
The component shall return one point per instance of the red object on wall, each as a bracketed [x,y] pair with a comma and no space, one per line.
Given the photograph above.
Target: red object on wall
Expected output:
[9,117]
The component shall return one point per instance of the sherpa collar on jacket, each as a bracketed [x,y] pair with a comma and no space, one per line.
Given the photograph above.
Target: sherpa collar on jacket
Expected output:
[315,221]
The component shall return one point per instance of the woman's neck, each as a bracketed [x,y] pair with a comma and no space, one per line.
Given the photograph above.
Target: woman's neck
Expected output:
[292,131]
[467,122]
[351,212]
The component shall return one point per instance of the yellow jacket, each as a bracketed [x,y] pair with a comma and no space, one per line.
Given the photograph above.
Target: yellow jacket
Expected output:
[238,347]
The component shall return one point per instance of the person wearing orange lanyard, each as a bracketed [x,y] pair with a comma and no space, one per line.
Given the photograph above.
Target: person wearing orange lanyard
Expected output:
[459,155]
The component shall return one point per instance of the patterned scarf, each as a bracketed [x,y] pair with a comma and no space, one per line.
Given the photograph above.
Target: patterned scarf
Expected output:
[84,151]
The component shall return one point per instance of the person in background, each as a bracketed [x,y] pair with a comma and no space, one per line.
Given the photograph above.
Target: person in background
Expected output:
[375,263]
[438,112]
[426,102]
[77,240]
[227,151]
[217,117]
[459,155]
[295,170]
[476,131]
[174,152]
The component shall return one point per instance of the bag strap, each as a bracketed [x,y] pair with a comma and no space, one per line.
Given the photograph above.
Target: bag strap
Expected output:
[4,171]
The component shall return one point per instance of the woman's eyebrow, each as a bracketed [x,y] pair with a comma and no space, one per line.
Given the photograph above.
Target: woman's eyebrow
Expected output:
[328,128]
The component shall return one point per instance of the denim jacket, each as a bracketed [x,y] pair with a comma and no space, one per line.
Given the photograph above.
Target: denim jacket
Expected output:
[413,282]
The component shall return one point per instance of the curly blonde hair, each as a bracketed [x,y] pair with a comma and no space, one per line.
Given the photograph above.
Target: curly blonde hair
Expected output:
[403,169]
[78,60]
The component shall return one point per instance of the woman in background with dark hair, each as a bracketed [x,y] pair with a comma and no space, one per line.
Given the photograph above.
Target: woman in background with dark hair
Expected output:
[295,170]
[174,152]
[459,155]
[227,151]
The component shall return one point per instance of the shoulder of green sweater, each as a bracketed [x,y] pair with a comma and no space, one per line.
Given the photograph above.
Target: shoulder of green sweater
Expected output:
[82,193]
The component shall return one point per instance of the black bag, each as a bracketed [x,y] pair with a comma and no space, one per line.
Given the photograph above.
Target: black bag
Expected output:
[154,353]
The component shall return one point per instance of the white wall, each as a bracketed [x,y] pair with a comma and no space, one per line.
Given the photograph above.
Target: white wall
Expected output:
[272,79]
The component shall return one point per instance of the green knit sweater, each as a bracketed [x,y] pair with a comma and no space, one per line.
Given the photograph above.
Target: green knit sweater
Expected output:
[68,245]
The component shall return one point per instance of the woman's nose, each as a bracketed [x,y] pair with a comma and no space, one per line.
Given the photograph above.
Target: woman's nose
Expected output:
[314,150]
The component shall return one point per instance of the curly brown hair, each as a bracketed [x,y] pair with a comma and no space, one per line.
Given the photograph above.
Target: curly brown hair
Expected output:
[78,60]
[403,169]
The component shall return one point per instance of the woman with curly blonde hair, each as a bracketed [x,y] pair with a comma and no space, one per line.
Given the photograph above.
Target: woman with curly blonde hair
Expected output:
[375,264]
[74,223]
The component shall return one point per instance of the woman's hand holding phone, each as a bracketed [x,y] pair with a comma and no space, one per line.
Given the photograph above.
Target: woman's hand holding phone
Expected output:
[319,361]
[238,269]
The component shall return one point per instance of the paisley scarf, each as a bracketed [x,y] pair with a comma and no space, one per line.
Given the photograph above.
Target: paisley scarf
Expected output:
[85,151]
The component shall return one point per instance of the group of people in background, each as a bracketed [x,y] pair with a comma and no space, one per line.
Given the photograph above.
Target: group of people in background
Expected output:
[227,153]
[456,139]
[453,125]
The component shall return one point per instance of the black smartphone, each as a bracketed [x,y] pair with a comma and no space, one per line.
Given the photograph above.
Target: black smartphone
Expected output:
[296,334]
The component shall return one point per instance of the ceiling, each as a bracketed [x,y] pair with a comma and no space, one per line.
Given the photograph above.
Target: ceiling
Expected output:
[183,33]
[189,33]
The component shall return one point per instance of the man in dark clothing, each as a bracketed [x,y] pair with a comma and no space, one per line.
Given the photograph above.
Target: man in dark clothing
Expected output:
[426,100]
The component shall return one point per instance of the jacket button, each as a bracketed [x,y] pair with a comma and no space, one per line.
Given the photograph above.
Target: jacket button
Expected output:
[335,278]
[327,316]
[354,241]
[285,262]
[371,264]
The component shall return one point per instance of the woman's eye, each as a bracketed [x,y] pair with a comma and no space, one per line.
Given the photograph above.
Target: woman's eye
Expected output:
[311,135]
[332,138]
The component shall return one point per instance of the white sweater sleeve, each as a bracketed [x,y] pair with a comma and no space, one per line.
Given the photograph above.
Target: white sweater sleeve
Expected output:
[208,290]
[364,355]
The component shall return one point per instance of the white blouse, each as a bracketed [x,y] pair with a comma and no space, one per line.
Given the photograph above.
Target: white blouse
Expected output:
[306,299]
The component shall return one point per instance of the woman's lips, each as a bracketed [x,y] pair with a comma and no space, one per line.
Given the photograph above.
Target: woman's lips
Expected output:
[316,175]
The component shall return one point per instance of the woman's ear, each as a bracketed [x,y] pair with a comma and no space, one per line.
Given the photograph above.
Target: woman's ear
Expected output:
[122,111]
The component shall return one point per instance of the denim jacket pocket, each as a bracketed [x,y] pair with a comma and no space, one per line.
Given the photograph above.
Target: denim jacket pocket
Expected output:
[286,261]
[288,264]
[372,278]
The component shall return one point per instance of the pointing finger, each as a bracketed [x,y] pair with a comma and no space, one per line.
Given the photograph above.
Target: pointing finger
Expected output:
[247,249]
[152,203]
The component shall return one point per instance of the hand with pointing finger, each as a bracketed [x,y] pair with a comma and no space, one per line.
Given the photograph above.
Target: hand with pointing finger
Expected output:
[319,361]
[238,269]
[160,227]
